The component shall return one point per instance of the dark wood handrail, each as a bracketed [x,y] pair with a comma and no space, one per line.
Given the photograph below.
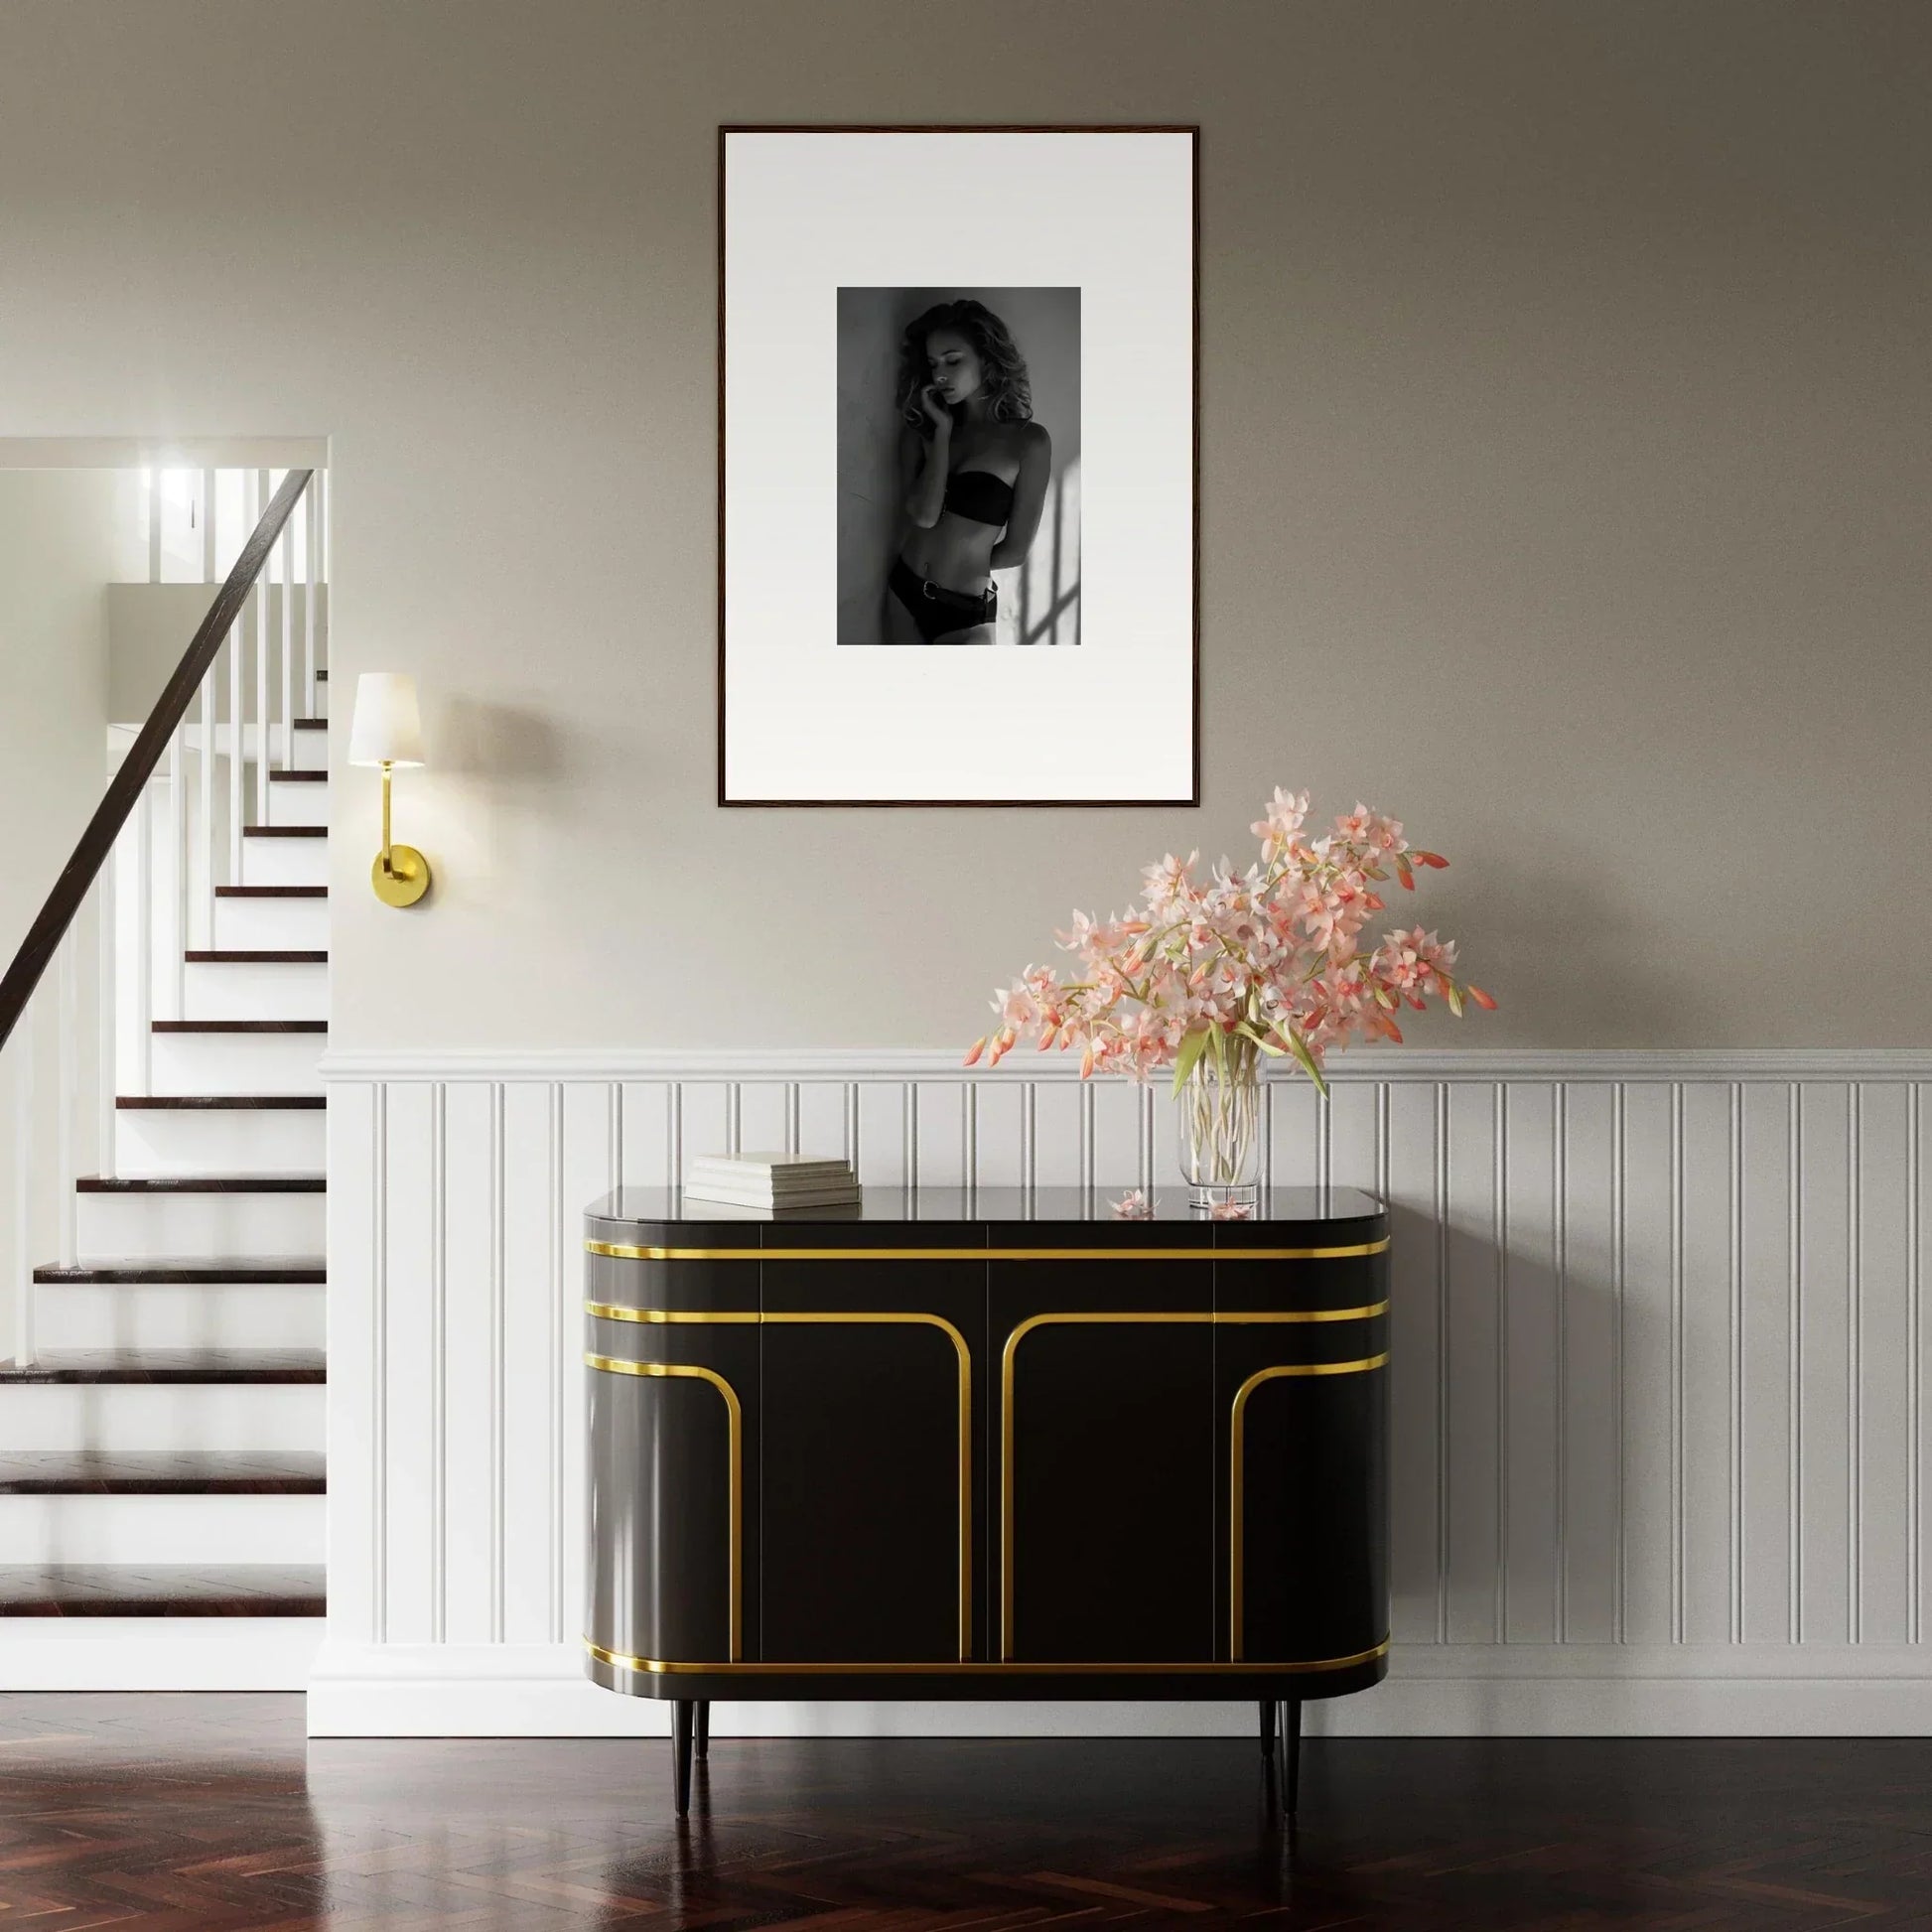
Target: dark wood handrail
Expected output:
[71,889]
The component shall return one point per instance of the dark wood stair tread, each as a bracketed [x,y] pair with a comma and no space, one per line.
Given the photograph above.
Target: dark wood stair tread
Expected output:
[285,831]
[240,1026]
[297,778]
[312,723]
[271,891]
[162,1473]
[184,1270]
[223,1102]
[196,1365]
[162,1589]
[252,956]
[203,1184]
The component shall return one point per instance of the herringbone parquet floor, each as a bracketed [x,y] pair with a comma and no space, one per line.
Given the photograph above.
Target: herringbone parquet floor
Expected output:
[212,1811]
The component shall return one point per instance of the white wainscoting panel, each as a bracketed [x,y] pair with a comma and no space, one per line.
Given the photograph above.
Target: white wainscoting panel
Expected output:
[1659,1344]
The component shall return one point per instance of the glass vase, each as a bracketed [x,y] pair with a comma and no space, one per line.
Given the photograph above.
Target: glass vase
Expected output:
[1219,1138]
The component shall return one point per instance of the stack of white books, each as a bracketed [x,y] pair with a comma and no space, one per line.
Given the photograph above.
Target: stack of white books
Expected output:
[772,1181]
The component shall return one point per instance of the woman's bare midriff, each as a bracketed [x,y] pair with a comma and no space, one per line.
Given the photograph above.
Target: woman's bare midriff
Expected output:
[956,553]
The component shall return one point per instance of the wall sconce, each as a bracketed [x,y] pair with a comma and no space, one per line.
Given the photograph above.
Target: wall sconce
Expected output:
[387,730]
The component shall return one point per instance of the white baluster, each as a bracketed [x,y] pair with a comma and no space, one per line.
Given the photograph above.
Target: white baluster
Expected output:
[326,570]
[22,1043]
[105,1000]
[205,774]
[208,527]
[67,1072]
[261,666]
[144,937]
[156,477]
[312,540]
[178,886]
[285,548]
[234,648]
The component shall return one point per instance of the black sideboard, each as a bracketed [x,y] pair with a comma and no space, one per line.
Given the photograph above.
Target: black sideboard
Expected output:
[997,1445]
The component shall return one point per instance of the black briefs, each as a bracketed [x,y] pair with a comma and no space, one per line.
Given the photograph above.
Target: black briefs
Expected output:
[937,609]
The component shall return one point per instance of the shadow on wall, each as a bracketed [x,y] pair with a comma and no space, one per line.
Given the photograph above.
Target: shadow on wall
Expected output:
[1040,601]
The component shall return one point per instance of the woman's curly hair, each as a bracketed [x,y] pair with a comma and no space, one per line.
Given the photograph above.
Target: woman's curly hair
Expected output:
[1003,370]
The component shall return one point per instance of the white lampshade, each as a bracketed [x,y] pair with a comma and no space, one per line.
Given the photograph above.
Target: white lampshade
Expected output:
[387,729]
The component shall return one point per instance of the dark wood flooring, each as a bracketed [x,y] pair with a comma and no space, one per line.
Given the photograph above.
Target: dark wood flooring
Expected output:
[212,1811]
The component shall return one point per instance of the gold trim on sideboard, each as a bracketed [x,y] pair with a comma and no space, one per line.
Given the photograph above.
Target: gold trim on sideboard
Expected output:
[1237,1474]
[612,1312]
[658,1666]
[620,1251]
[735,1423]
[1211,1316]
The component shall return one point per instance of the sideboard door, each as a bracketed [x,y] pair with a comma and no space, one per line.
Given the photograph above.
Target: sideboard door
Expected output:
[1302,1417]
[1104,1440]
[871,1490]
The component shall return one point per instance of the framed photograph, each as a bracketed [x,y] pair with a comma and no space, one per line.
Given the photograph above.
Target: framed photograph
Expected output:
[958,469]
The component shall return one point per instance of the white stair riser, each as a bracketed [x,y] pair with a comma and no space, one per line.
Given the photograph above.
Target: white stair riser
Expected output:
[162,1529]
[170,1314]
[237,1062]
[272,925]
[256,990]
[310,750]
[285,862]
[207,1227]
[219,1140]
[299,804]
[165,1415]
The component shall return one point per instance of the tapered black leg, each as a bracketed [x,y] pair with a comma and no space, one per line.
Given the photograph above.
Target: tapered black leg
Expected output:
[1268,1728]
[681,1715]
[703,1729]
[1292,1739]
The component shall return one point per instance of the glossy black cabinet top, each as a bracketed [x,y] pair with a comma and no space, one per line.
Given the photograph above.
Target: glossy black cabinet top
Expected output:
[1334,1211]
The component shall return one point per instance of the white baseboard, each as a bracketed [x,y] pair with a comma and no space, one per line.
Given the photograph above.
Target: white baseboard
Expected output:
[158,1653]
[1447,1690]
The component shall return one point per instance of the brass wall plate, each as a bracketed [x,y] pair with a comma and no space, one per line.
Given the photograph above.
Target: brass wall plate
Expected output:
[404,880]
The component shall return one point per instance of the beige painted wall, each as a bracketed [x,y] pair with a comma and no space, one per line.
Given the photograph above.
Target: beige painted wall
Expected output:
[1564,473]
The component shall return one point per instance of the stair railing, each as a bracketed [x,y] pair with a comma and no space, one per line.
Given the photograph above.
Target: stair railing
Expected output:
[123,820]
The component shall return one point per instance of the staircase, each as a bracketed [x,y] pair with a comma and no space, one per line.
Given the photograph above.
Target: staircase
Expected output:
[162,1469]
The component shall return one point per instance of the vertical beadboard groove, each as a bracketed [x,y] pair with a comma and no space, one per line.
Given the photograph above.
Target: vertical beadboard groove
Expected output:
[1915,1367]
[379,1363]
[1853,1373]
[1441,1164]
[1735,1413]
[499,1389]
[556,1326]
[1619,1256]
[1720,1381]
[1560,1224]
[439,1366]
[1499,1243]
[1677,1509]
[1795,1349]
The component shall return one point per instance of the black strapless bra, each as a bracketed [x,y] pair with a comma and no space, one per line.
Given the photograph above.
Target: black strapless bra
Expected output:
[979,494]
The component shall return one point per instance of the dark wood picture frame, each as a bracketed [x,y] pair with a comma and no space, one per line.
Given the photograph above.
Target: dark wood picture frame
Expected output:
[1193,130]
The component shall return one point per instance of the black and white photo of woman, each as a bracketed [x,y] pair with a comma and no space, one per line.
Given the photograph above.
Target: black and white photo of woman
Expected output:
[959,526]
